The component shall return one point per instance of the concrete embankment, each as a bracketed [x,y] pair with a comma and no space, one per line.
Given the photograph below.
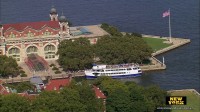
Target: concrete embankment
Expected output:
[182,90]
[177,42]
[156,64]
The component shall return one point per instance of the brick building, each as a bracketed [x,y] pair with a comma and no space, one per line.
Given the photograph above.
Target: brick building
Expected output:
[21,39]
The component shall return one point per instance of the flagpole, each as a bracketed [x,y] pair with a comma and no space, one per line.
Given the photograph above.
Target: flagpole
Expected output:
[169,26]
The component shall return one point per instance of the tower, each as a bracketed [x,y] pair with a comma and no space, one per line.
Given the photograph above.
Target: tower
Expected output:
[2,40]
[53,14]
[1,30]
[64,27]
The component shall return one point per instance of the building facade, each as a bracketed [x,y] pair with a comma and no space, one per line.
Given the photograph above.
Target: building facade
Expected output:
[19,40]
[22,39]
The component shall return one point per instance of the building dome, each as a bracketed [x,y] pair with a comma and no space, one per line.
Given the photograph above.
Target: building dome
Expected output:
[53,11]
[1,25]
[62,19]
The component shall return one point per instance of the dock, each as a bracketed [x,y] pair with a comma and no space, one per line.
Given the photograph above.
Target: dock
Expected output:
[155,65]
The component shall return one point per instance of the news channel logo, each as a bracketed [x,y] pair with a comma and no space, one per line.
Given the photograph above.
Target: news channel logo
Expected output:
[176,100]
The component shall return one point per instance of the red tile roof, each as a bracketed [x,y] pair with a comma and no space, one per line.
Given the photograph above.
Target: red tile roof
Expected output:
[3,90]
[98,93]
[34,25]
[55,84]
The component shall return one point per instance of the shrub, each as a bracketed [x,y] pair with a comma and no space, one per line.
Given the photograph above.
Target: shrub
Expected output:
[55,68]
[21,71]
[58,72]
[52,65]
[136,34]
[23,75]
[19,68]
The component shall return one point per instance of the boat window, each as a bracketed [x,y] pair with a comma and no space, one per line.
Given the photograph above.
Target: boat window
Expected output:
[129,69]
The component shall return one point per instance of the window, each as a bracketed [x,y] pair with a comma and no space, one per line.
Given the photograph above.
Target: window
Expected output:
[12,35]
[46,33]
[31,50]
[129,69]
[50,51]
[15,53]
[30,34]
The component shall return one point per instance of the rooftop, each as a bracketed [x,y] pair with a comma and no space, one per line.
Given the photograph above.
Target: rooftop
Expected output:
[57,84]
[34,25]
[99,93]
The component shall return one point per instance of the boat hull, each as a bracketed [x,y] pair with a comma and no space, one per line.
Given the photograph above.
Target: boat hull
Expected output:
[116,77]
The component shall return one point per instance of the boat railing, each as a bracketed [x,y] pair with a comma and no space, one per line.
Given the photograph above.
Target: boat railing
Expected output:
[123,65]
[131,65]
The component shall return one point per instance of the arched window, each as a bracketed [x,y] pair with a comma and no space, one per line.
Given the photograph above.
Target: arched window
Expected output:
[12,35]
[50,48]
[31,50]
[1,52]
[30,34]
[50,51]
[15,53]
[63,28]
[46,33]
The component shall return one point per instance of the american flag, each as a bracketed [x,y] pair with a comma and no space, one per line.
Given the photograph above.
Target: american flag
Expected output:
[166,13]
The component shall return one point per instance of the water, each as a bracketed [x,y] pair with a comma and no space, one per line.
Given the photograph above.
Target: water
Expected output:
[142,16]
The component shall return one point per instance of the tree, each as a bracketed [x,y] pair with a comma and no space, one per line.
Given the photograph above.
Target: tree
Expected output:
[130,97]
[72,101]
[156,95]
[117,50]
[109,85]
[88,97]
[75,55]
[47,101]
[111,30]
[136,34]
[8,67]
[138,100]
[14,103]
[118,101]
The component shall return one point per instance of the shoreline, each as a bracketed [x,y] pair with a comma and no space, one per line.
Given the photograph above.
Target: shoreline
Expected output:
[182,90]
[156,64]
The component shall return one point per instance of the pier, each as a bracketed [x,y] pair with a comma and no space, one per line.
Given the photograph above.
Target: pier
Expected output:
[155,65]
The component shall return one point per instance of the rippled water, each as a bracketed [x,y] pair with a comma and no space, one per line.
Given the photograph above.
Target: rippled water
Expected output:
[142,16]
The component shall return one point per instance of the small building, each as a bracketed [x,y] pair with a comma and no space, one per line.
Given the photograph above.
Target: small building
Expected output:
[57,84]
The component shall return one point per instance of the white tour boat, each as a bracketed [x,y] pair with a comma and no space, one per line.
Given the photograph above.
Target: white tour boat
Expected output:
[114,71]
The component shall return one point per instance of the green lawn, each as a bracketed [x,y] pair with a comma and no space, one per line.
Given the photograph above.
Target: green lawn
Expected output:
[156,43]
[193,101]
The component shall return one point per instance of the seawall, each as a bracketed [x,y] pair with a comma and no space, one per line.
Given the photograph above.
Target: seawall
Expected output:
[156,64]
